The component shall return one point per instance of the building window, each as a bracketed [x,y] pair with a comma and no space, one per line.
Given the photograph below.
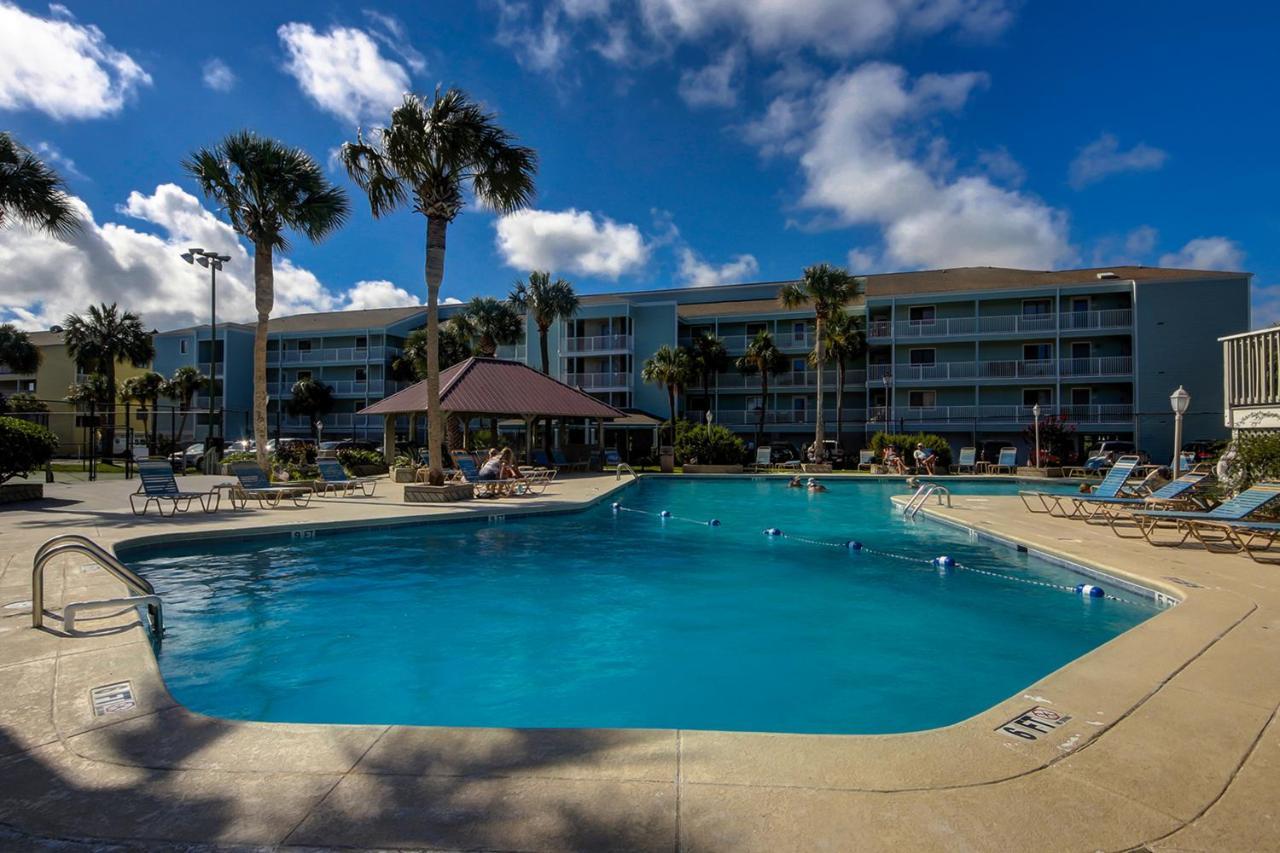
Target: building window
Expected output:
[921,315]
[1036,307]
[799,331]
[754,329]
[360,374]
[799,405]
[1081,349]
[304,346]
[797,365]
[1032,396]
[1081,396]
[362,342]
[923,356]
[754,404]
[922,399]
[182,346]
[1037,352]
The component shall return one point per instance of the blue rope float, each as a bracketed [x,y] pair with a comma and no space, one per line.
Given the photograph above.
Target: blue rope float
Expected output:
[663,515]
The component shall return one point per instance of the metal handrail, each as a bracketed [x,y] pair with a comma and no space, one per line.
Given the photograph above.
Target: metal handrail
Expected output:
[622,466]
[75,543]
[921,496]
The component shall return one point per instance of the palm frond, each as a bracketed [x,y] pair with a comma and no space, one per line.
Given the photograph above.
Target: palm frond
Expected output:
[32,193]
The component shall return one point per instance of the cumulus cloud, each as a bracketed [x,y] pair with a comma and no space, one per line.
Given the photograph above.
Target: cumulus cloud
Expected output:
[53,155]
[1104,157]
[1266,306]
[43,279]
[696,272]
[343,71]
[391,32]
[715,85]
[62,68]
[538,42]
[1002,167]
[218,76]
[1206,253]
[571,240]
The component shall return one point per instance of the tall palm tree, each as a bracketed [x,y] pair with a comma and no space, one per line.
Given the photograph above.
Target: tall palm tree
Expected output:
[101,338]
[310,399]
[32,193]
[455,347]
[427,156]
[549,302]
[709,358]
[182,388]
[146,388]
[828,289]
[671,368]
[267,189]
[845,342]
[492,323]
[762,358]
[16,350]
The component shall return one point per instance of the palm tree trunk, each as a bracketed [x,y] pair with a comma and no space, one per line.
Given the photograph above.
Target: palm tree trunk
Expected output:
[840,402]
[182,424]
[436,227]
[155,422]
[671,400]
[819,447]
[264,300]
[542,343]
[109,431]
[764,405]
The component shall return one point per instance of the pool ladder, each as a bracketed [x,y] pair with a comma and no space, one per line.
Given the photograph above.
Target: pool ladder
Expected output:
[142,592]
[622,466]
[922,495]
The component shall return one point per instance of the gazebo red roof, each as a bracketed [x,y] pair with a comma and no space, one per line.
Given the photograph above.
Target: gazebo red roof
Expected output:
[494,386]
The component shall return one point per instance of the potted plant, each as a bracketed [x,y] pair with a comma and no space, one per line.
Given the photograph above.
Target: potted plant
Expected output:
[402,469]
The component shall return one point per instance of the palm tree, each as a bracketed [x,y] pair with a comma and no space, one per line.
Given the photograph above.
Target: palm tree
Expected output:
[763,358]
[455,347]
[426,156]
[709,358]
[549,302]
[491,323]
[96,394]
[672,368]
[31,193]
[311,399]
[182,388]
[100,339]
[146,388]
[16,350]
[267,188]
[828,289]
[845,342]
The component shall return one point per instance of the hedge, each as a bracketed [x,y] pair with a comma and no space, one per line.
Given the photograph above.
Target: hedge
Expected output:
[24,447]
[906,444]
[702,445]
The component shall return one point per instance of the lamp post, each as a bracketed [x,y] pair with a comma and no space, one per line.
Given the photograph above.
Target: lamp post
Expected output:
[213,262]
[711,416]
[1035,413]
[1180,400]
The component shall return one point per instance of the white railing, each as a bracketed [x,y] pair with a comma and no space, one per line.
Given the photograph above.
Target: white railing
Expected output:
[1108,365]
[1100,413]
[791,379]
[783,340]
[1001,324]
[1006,369]
[599,381]
[340,420]
[342,387]
[336,354]
[781,416]
[1252,369]
[513,352]
[598,343]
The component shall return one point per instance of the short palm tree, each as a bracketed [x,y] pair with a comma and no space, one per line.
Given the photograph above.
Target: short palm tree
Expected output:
[763,359]
[16,350]
[548,302]
[455,347]
[99,339]
[267,189]
[491,323]
[310,399]
[96,394]
[146,388]
[709,359]
[182,388]
[31,193]
[426,156]
[828,289]
[845,342]
[671,368]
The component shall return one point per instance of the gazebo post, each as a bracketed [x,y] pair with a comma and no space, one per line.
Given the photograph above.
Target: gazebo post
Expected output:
[389,438]
[529,421]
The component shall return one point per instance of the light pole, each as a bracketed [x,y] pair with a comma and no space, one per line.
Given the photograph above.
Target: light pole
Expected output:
[711,416]
[213,262]
[1181,401]
[1035,413]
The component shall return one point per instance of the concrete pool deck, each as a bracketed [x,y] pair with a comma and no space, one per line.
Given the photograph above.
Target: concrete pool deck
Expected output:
[1172,741]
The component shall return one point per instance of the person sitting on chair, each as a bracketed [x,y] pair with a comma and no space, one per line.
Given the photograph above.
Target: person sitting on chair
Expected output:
[924,458]
[893,461]
[492,467]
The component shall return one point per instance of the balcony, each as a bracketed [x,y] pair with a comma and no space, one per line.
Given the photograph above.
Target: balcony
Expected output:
[514,352]
[356,355]
[333,421]
[969,371]
[804,417]
[789,380]
[343,388]
[880,331]
[600,381]
[785,341]
[1019,416]
[598,344]
[1252,381]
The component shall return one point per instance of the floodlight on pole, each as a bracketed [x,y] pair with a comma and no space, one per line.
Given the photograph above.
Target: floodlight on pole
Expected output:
[1035,413]
[211,261]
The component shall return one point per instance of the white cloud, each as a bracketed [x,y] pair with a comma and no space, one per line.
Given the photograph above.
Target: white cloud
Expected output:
[537,42]
[53,155]
[1141,240]
[218,76]
[1266,306]
[390,31]
[697,272]
[715,85]
[1002,167]
[343,72]
[451,300]
[778,131]
[1206,253]
[868,160]
[570,240]
[863,261]
[62,68]
[1104,157]
[43,279]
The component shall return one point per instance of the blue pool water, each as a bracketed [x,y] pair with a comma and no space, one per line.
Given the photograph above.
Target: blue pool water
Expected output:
[594,619]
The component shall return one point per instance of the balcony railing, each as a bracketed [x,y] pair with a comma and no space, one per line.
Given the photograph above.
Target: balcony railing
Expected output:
[1001,324]
[598,343]
[332,421]
[330,355]
[751,417]
[1253,373]
[599,381]
[343,387]
[1097,413]
[792,379]
[514,352]
[1011,369]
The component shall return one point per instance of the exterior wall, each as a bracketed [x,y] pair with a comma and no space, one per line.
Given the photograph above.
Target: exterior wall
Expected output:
[655,325]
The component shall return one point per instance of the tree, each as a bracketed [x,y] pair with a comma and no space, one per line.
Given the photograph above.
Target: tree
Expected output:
[762,358]
[24,403]
[828,289]
[182,388]
[24,447]
[16,350]
[146,388]
[33,194]
[709,358]
[100,339]
[96,394]
[455,347]
[845,342]
[426,156]
[267,189]
[310,399]
[547,302]
[491,323]
[672,369]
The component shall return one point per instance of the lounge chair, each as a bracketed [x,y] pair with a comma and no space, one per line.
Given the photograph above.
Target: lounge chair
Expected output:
[611,457]
[968,459]
[764,460]
[334,478]
[1112,486]
[471,474]
[540,459]
[159,486]
[561,461]
[535,480]
[1008,460]
[1174,495]
[1226,524]
[253,483]
[866,459]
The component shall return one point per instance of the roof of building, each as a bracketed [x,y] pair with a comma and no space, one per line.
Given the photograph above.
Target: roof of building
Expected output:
[694,310]
[494,386]
[369,318]
[1003,278]
[47,339]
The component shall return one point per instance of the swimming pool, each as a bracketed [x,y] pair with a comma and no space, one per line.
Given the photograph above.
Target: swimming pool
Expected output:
[599,618]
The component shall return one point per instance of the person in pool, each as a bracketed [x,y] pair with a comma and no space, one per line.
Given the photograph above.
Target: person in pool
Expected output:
[815,486]
[795,483]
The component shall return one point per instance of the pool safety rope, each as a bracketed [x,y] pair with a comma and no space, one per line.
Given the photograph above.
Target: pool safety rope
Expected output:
[943,563]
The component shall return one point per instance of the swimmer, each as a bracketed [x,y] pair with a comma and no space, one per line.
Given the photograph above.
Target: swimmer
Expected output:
[815,486]
[795,483]
[913,482]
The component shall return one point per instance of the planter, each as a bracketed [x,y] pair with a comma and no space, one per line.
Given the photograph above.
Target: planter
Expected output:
[1028,471]
[421,493]
[403,475]
[17,492]
[713,469]
[816,468]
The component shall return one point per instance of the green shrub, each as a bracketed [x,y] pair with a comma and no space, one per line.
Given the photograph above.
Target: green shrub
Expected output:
[702,445]
[24,447]
[1257,458]
[240,456]
[906,444]
[351,457]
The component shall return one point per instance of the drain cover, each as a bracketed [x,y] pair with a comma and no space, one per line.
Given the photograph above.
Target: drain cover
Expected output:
[112,698]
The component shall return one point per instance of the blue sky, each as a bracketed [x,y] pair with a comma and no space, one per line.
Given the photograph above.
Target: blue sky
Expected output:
[681,141]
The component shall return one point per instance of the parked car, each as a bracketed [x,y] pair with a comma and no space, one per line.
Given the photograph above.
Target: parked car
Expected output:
[188,458]
[832,452]
[782,451]
[1106,453]
[1204,449]
[349,444]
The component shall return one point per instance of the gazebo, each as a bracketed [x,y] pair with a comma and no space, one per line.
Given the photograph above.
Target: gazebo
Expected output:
[492,388]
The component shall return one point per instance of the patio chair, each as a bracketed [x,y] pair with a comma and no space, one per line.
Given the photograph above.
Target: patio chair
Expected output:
[540,459]
[764,460]
[471,474]
[866,459]
[1226,524]
[1174,495]
[562,461]
[1052,502]
[968,459]
[612,459]
[157,485]
[252,483]
[536,480]
[334,478]
[1008,460]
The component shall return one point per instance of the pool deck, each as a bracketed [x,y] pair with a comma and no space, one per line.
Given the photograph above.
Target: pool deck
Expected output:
[1172,742]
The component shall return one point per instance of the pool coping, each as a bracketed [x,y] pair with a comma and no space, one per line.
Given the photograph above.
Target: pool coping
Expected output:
[1149,663]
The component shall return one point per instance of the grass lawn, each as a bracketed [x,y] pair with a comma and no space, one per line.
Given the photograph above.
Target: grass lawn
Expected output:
[83,467]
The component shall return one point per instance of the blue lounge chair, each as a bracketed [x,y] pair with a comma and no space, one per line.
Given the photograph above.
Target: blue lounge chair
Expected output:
[968,460]
[1008,460]
[1173,495]
[1222,525]
[1111,486]
[611,458]
[158,486]
[252,483]
[562,461]
[540,459]
[334,478]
